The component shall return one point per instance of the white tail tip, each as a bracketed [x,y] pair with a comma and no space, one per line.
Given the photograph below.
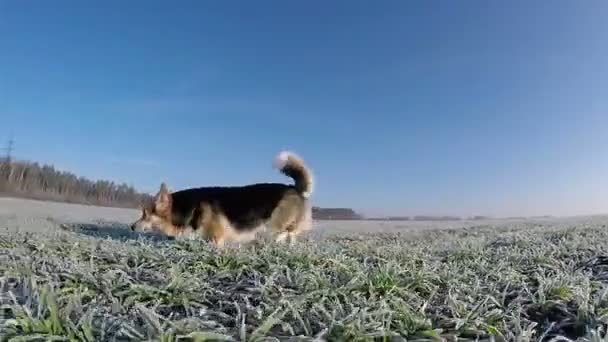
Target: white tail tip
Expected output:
[281,160]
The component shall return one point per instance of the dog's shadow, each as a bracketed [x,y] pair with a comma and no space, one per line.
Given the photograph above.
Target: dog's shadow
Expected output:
[111,230]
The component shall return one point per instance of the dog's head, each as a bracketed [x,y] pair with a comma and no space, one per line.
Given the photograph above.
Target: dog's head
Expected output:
[156,215]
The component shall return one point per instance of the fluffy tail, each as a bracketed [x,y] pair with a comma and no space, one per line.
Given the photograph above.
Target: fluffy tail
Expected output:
[293,166]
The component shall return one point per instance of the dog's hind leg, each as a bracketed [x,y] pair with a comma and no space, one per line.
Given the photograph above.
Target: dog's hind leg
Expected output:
[304,223]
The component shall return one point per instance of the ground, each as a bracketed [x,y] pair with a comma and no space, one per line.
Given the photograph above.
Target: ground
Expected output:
[77,273]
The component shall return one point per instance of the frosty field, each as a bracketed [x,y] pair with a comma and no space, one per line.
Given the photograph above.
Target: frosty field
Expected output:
[71,272]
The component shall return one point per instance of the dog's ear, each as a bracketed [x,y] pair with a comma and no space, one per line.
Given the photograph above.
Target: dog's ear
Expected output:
[164,188]
[163,198]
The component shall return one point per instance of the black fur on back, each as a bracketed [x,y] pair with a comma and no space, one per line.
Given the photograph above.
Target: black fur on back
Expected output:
[245,206]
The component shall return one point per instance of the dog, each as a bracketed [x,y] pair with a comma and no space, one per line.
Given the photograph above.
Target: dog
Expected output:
[224,213]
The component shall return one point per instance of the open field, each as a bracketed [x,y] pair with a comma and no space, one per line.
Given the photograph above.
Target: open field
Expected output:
[76,272]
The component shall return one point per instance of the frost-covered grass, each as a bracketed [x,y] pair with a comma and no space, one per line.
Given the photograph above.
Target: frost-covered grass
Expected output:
[522,282]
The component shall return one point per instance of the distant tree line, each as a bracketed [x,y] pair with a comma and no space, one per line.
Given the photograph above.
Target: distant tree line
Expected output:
[335,214]
[436,218]
[389,218]
[44,182]
[427,218]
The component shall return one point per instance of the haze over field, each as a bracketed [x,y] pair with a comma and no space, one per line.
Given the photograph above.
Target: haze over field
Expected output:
[39,216]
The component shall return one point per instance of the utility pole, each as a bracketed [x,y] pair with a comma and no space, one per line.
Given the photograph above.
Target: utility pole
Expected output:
[10,147]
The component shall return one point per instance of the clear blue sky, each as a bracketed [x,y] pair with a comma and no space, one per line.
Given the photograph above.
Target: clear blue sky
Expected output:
[412,107]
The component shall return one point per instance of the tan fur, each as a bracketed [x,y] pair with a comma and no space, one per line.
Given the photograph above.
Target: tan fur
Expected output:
[293,165]
[290,216]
